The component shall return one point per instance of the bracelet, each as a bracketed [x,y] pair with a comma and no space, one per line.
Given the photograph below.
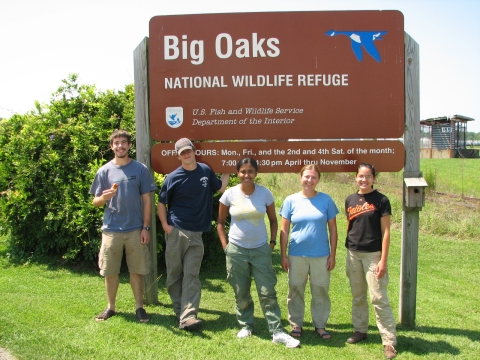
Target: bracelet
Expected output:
[274,242]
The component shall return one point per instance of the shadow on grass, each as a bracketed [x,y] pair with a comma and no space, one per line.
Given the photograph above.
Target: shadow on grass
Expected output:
[420,341]
[415,344]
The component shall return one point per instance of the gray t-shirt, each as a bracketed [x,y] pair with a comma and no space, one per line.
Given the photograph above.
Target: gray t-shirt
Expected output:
[123,212]
[247,225]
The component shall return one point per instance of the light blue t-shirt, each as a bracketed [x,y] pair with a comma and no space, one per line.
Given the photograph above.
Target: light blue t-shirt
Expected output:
[309,217]
[247,225]
[123,212]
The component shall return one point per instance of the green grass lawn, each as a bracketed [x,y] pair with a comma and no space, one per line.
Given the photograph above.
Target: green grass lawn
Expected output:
[454,176]
[47,311]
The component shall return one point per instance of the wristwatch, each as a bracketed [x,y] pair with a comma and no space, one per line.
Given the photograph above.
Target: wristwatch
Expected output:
[147,228]
[273,242]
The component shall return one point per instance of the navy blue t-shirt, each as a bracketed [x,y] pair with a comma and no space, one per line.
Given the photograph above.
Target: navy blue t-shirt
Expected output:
[188,195]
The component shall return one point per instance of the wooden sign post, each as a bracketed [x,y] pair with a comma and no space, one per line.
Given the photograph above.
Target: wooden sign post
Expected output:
[410,217]
[193,83]
[144,145]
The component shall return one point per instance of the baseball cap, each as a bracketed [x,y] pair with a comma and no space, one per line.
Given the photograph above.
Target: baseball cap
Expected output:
[183,144]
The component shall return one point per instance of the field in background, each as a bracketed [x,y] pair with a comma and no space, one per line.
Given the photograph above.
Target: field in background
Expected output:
[452,204]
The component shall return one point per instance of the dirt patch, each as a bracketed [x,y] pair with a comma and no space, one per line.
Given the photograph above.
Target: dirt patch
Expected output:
[5,355]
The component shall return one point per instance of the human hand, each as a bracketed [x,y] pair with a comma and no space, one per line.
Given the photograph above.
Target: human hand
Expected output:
[168,229]
[144,236]
[108,194]
[331,263]
[285,264]
[381,269]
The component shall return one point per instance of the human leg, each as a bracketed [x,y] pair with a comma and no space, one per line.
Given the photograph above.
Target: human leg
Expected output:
[191,286]
[136,282]
[320,285]
[358,286]
[240,278]
[111,285]
[137,257]
[297,280]
[379,299]
[109,262]
[175,246]
[265,281]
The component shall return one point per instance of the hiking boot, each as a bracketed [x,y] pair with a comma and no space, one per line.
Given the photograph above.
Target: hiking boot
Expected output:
[389,351]
[191,324]
[356,337]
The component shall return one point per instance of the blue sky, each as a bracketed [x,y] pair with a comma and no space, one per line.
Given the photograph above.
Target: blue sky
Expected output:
[41,42]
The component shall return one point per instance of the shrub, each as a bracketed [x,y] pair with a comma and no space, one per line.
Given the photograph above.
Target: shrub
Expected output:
[48,159]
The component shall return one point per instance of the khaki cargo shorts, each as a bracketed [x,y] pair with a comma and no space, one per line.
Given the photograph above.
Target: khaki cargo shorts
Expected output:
[111,253]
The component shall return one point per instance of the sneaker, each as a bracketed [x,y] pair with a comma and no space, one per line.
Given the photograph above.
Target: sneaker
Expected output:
[191,324]
[389,351]
[142,315]
[356,337]
[244,333]
[283,338]
[106,314]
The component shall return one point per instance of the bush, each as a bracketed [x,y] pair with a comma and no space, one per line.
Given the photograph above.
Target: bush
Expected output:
[48,159]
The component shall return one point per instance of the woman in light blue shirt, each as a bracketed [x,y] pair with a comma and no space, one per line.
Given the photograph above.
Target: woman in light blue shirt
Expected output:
[311,251]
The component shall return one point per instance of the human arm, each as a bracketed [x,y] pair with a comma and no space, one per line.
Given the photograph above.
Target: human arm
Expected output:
[222,216]
[332,230]
[382,264]
[224,179]
[162,215]
[272,218]
[284,232]
[147,216]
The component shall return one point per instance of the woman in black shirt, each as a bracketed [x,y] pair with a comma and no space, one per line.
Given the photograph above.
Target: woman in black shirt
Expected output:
[368,240]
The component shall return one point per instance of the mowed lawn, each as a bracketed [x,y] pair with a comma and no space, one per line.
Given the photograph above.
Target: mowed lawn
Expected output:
[47,310]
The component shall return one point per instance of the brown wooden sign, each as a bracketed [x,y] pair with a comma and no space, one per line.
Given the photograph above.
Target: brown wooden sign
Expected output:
[284,75]
[287,156]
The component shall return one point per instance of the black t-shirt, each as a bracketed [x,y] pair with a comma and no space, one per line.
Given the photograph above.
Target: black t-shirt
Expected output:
[364,211]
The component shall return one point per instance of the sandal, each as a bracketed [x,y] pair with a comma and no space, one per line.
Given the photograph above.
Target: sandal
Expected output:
[296,332]
[142,315]
[106,314]
[324,335]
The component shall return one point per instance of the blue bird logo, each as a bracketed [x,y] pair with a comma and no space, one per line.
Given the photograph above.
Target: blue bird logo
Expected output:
[173,120]
[361,39]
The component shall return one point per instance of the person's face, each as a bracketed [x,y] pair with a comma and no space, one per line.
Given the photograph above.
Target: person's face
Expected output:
[120,147]
[247,174]
[309,179]
[187,157]
[365,179]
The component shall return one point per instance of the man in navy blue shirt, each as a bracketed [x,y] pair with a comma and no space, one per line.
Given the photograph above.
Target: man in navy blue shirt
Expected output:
[185,211]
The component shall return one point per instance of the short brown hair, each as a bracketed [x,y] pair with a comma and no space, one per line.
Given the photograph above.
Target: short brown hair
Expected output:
[120,133]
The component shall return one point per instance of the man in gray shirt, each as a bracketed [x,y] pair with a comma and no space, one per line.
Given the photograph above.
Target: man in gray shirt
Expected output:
[123,186]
